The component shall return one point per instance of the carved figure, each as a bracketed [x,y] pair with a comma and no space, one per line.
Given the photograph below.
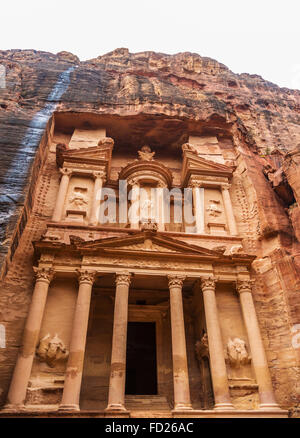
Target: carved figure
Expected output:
[214,208]
[51,350]
[146,154]
[237,353]
[201,347]
[78,198]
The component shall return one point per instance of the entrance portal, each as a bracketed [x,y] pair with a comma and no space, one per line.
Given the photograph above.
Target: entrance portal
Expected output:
[141,369]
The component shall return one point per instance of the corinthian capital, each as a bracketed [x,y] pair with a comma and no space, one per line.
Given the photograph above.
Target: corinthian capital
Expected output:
[244,286]
[208,283]
[123,278]
[176,280]
[85,276]
[225,186]
[44,274]
[194,184]
[65,171]
[99,174]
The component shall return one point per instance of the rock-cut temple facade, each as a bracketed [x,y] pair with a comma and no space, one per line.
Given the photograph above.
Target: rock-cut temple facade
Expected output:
[150,266]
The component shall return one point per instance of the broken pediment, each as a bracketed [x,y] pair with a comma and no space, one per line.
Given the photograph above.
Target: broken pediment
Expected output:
[194,165]
[95,156]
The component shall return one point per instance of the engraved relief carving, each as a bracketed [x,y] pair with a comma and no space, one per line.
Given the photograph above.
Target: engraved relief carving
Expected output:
[201,348]
[148,225]
[146,154]
[214,208]
[51,350]
[237,354]
[79,199]
[235,249]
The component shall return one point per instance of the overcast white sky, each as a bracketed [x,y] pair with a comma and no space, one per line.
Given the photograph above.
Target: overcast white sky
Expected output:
[253,36]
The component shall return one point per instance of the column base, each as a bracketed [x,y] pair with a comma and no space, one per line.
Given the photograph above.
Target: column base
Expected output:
[224,406]
[71,407]
[115,407]
[269,406]
[13,408]
[183,407]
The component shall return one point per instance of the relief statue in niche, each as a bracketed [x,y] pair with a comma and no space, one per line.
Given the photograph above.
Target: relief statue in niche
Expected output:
[201,347]
[51,350]
[237,354]
[79,198]
[214,208]
[146,154]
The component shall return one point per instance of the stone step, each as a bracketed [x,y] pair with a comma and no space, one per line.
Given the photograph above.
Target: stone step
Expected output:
[146,402]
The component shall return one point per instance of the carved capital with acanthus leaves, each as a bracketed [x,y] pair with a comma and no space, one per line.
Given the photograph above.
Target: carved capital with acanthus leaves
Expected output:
[244,286]
[44,274]
[123,279]
[85,276]
[176,281]
[208,283]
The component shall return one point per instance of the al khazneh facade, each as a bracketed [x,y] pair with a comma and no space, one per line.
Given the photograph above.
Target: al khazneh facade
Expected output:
[143,313]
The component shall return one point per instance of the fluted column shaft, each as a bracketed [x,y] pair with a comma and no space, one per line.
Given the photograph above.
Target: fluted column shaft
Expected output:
[259,360]
[215,345]
[61,196]
[95,211]
[116,396]
[18,387]
[73,377]
[182,398]
[229,210]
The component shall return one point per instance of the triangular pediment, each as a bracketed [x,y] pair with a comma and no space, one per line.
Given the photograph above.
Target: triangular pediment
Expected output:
[147,242]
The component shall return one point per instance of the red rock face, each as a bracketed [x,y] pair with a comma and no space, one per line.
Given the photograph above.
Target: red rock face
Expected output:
[158,99]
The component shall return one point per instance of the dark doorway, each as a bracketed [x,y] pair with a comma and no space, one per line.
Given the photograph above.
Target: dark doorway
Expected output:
[141,372]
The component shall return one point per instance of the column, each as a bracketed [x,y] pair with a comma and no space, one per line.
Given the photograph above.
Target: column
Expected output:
[215,345]
[73,376]
[18,387]
[95,211]
[229,210]
[259,360]
[134,215]
[62,193]
[116,395]
[160,206]
[182,398]
[198,200]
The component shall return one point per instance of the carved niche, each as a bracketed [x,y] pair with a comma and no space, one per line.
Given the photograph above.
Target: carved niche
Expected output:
[51,350]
